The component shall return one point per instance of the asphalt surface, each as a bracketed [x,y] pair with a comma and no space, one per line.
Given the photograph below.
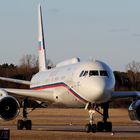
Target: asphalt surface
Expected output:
[118,130]
[62,124]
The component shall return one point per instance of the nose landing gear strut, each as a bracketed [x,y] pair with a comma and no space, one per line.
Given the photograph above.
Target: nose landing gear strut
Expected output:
[91,127]
[101,126]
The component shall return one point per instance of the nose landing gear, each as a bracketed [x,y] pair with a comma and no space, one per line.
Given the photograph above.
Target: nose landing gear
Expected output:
[101,125]
[91,127]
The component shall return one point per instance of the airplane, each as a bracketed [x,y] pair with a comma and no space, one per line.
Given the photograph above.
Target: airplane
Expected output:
[71,83]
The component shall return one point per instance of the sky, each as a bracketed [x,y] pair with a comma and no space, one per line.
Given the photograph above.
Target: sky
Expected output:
[106,30]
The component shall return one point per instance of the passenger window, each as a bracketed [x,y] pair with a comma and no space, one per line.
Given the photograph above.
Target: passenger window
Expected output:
[81,74]
[103,73]
[93,73]
[85,73]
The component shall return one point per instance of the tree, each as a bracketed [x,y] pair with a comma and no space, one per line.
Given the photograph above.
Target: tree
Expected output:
[29,61]
[122,81]
[133,71]
[28,66]
[50,64]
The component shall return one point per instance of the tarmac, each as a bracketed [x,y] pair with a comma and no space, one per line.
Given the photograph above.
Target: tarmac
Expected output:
[118,130]
[58,124]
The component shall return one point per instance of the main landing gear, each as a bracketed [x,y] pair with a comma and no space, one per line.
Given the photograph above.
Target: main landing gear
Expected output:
[25,122]
[101,125]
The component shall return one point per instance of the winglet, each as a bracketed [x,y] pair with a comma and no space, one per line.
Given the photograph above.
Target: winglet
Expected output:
[41,41]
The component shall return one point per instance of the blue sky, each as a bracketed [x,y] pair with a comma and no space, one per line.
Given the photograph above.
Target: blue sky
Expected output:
[107,30]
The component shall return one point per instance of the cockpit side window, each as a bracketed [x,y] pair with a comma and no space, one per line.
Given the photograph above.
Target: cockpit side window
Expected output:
[85,73]
[81,74]
[93,73]
[103,73]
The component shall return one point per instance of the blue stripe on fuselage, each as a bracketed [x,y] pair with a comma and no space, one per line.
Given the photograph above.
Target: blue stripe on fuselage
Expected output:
[60,84]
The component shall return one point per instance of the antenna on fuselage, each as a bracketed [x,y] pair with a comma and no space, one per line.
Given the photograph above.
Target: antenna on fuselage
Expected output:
[41,41]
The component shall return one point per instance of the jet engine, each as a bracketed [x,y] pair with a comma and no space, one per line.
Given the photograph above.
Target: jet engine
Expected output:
[9,106]
[134,110]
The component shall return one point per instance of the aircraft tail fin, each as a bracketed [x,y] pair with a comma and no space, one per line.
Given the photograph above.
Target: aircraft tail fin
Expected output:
[41,42]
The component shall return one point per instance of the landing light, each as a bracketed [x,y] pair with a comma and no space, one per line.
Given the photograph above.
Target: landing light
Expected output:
[92,111]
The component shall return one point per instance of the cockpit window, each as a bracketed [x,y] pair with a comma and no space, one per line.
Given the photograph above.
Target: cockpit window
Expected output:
[93,73]
[103,73]
[85,73]
[81,74]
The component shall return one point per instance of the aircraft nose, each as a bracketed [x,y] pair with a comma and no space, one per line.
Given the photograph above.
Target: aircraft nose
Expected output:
[99,87]
[100,91]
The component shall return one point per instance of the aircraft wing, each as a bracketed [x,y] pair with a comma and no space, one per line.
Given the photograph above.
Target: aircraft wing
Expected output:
[125,94]
[15,80]
[43,96]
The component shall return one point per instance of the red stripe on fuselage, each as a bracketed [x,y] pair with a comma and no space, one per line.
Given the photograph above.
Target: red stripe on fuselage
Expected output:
[61,85]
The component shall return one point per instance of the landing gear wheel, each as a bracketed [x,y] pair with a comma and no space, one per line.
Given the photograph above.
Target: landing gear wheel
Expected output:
[90,128]
[20,124]
[100,126]
[25,123]
[104,126]
[108,126]
[28,124]
[87,128]
[93,128]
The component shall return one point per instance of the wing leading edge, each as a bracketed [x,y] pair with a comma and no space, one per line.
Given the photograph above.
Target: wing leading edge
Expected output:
[125,94]
[15,80]
[32,94]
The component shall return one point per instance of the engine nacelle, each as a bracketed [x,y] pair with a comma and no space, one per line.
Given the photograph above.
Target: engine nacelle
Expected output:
[134,110]
[9,106]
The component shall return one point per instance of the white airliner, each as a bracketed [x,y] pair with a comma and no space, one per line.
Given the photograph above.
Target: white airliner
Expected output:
[72,83]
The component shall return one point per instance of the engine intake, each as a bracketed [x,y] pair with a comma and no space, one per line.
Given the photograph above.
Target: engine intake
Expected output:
[134,110]
[9,108]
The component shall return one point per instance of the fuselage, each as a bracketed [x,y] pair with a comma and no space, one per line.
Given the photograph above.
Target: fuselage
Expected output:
[74,83]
